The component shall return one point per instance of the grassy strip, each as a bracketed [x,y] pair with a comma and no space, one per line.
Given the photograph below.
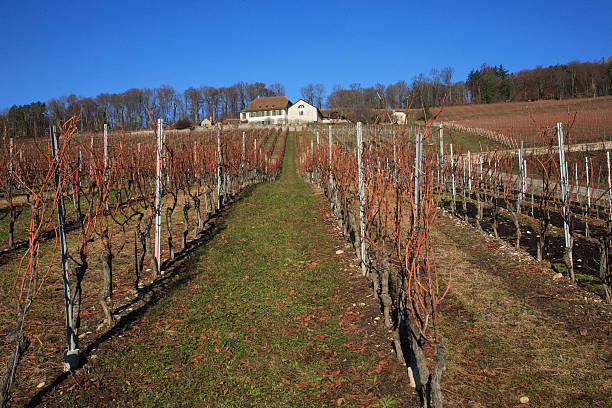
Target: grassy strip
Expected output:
[512,331]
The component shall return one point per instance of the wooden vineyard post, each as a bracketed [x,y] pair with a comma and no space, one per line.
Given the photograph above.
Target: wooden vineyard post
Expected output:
[105,160]
[609,189]
[469,164]
[105,153]
[11,240]
[524,178]
[564,196]
[454,203]
[361,197]
[80,165]
[587,210]
[604,268]
[331,177]
[11,146]
[243,158]
[395,166]
[441,155]
[71,357]
[317,138]
[576,185]
[91,156]
[417,179]
[158,192]
[138,168]
[219,174]
[520,180]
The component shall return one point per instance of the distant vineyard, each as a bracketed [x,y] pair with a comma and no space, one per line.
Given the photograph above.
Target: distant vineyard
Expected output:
[590,119]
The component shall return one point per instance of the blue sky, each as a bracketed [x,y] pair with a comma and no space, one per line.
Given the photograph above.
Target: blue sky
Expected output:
[55,48]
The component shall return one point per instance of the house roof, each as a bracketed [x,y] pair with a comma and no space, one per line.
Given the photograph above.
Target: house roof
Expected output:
[268,103]
[307,103]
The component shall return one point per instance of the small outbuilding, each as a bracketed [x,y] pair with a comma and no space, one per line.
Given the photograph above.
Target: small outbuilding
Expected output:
[207,123]
[398,117]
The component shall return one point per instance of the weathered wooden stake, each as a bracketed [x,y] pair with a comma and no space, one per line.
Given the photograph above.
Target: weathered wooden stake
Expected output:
[243,150]
[158,194]
[219,173]
[105,153]
[588,194]
[361,198]
[520,179]
[564,196]
[91,156]
[331,177]
[469,172]
[71,357]
[417,178]
[454,206]
[441,154]
[609,189]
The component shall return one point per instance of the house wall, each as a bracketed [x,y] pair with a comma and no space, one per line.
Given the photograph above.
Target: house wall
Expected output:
[302,111]
[252,118]
[398,117]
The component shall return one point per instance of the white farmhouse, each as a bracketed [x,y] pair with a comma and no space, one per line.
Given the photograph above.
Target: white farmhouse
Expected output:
[302,111]
[398,117]
[271,109]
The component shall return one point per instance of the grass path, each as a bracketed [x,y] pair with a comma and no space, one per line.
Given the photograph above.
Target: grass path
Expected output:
[267,315]
[513,331]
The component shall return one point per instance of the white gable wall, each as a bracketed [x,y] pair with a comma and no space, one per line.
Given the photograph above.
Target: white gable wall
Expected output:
[302,111]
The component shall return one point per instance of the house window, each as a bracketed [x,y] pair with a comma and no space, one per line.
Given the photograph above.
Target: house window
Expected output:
[301,113]
[301,106]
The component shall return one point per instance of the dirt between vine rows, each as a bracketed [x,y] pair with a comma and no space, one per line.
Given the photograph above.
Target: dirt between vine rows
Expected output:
[585,251]
[513,331]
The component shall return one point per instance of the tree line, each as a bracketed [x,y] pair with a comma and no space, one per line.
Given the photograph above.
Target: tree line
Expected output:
[486,84]
[129,109]
[490,84]
[430,89]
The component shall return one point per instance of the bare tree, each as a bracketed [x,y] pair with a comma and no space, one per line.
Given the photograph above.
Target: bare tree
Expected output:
[277,89]
[165,95]
[446,74]
[308,93]
[194,97]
